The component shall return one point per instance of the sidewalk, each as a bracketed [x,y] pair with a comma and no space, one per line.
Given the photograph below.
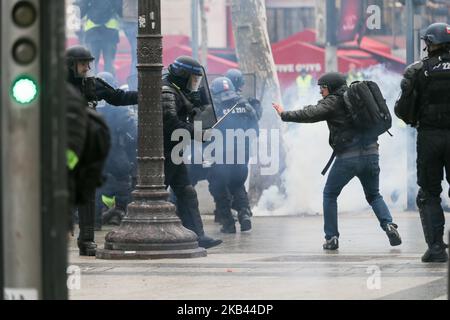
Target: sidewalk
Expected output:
[282,258]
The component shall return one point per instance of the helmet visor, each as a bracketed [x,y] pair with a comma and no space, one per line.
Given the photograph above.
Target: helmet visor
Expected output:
[194,83]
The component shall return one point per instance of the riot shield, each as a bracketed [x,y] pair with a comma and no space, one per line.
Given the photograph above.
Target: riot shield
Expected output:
[248,91]
[249,88]
[205,113]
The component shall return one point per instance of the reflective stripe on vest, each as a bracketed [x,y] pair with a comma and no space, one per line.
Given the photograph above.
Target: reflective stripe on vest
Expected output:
[112,23]
[72,159]
[109,201]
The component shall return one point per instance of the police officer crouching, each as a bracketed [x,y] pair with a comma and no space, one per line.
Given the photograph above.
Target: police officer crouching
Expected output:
[180,96]
[78,60]
[425,105]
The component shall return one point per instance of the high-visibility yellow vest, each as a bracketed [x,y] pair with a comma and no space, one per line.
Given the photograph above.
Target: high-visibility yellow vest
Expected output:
[71,159]
[112,23]
[304,84]
[352,77]
[109,201]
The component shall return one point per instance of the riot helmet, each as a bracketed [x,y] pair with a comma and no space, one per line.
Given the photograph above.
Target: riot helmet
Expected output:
[332,80]
[223,89]
[77,54]
[436,34]
[235,75]
[186,73]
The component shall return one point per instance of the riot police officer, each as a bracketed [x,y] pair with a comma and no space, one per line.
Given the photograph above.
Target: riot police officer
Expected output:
[227,180]
[425,105]
[78,60]
[237,78]
[180,97]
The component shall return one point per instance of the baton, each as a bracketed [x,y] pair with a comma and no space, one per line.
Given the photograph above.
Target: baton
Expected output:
[226,114]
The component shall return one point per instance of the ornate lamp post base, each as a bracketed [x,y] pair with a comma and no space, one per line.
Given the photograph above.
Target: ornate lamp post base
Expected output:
[151,230]
[146,255]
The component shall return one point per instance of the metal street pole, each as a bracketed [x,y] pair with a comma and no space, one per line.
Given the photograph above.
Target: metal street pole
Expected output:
[151,229]
[54,194]
[2,281]
[411,155]
[414,14]
[194,24]
[331,62]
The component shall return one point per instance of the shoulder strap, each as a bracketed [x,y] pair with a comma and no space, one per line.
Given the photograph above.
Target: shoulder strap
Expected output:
[328,165]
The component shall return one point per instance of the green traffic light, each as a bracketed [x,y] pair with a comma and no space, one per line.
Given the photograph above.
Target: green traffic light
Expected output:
[24,90]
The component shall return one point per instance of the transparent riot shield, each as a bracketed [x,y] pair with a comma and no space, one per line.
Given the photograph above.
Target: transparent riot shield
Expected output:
[248,90]
[206,113]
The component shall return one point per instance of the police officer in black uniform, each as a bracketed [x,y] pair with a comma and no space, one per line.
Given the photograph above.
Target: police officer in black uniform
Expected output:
[180,98]
[227,180]
[78,60]
[425,105]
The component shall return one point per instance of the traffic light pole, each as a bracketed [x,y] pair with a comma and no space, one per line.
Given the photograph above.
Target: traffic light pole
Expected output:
[20,147]
[151,229]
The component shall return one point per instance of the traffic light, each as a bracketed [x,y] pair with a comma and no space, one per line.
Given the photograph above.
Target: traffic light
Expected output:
[20,40]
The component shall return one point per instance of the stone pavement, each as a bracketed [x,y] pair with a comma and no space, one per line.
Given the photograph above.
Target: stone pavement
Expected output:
[281,258]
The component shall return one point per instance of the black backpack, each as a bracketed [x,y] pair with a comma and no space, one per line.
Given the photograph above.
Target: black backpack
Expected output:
[368,112]
[367,108]
[97,144]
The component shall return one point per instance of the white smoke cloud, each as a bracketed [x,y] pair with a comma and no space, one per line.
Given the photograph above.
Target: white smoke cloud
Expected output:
[307,152]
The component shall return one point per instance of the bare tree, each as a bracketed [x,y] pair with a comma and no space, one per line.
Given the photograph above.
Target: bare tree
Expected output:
[254,55]
[204,43]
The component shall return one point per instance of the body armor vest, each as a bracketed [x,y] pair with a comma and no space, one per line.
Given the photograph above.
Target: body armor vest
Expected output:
[435,97]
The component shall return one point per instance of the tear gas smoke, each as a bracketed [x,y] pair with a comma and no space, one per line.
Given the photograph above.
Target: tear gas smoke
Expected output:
[307,151]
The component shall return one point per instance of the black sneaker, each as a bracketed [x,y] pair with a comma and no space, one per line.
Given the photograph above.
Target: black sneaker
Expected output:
[393,235]
[332,244]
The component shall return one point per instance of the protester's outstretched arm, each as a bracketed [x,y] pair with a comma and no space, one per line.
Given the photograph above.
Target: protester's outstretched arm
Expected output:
[315,113]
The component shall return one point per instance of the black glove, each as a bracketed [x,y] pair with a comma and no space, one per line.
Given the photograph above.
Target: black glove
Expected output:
[256,104]
[195,98]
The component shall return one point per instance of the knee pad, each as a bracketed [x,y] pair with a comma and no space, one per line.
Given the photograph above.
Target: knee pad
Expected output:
[426,198]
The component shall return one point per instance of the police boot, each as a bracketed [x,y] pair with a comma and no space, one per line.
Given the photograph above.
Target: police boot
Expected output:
[207,242]
[433,236]
[217,217]
[436,251]
[244,217]
[228,226]
[86,244]
[228,223]
[187,208]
